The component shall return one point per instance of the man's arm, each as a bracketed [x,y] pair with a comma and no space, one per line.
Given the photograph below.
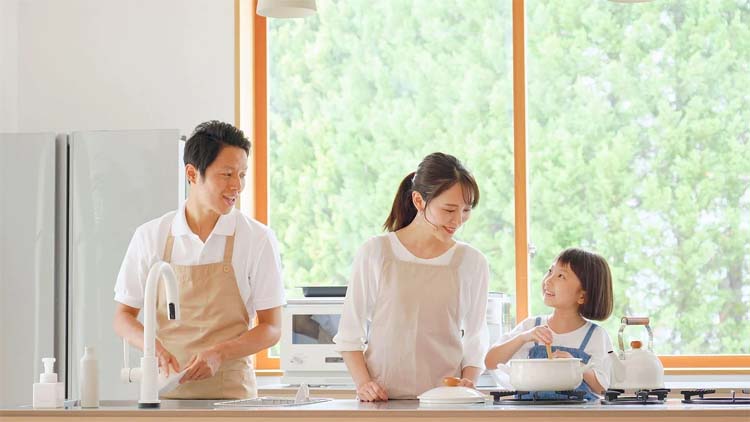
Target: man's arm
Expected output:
[127,326]
[262,336]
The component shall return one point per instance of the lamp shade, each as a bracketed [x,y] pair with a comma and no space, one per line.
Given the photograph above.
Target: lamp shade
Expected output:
[286,8]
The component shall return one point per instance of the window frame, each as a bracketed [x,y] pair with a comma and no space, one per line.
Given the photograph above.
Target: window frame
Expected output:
[674,364]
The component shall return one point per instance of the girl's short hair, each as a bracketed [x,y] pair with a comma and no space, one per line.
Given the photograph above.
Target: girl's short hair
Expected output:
[596,282]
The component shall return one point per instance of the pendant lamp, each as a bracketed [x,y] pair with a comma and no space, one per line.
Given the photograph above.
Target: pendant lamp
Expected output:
[286,8]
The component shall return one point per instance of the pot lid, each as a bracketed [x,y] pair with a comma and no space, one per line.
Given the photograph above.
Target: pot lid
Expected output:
[449,395]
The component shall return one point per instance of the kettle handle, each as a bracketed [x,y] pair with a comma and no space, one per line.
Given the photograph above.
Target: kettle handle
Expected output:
[629,320]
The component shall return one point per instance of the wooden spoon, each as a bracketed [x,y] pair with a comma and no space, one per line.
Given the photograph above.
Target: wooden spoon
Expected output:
[549,350]
[451,381]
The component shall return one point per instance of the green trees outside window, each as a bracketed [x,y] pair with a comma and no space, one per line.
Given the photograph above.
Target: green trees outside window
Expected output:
[638,143]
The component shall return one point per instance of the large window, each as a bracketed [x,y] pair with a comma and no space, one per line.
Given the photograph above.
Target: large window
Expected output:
[636,137]
[639,148]
[358,94]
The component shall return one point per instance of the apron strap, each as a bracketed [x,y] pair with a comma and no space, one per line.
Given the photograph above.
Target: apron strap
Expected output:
[457,255]
[387,248]
[168,246]
[586,339]
[537,322]
[228,249]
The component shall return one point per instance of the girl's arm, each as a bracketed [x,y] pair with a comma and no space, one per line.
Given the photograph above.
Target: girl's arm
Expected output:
[590,378]
[502,352]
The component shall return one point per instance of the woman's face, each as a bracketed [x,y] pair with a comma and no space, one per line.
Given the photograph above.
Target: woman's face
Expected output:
[218,189]
[446,213]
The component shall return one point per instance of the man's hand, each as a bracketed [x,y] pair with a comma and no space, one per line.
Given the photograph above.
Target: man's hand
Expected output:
[166,360]
[201,366]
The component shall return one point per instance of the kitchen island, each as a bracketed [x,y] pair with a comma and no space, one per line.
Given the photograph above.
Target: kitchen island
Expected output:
[395,410]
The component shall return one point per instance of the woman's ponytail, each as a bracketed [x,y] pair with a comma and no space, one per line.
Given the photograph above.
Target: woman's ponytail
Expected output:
[403,210]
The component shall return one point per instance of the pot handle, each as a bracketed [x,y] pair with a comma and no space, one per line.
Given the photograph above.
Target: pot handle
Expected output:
[503,368]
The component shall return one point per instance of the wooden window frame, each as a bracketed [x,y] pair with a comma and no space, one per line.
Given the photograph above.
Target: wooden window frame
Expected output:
[686,364]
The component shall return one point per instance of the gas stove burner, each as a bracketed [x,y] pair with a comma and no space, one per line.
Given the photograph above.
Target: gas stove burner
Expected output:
[536,397]
[691,399]
[643,397]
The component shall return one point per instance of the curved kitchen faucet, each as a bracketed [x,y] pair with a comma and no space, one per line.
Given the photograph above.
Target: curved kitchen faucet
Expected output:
[148,373]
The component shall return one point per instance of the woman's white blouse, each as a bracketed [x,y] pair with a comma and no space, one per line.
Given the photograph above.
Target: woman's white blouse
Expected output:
[473,273]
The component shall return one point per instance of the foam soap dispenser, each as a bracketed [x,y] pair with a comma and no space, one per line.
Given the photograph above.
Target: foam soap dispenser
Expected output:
[48,393]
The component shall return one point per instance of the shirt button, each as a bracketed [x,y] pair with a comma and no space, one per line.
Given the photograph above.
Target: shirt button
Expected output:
[226,268]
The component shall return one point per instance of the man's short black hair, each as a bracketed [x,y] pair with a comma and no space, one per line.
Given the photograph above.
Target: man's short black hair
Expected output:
[208,139]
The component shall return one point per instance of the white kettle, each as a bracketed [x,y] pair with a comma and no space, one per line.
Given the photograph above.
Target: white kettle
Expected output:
[636,369]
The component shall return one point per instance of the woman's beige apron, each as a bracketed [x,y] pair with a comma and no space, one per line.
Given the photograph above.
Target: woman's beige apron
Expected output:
[211,312]
[415,334]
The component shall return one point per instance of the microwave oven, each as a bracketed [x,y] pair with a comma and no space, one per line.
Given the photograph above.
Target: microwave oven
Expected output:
[308,326]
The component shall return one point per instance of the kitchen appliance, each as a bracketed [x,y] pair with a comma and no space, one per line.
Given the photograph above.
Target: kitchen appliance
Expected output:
[307,350]
[689,397]
[507,397]
[500,319]
[309,325]
[69,205]
[641,397]
[545,374]
[636,369]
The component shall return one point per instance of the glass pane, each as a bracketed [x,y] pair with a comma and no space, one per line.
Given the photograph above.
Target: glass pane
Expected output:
[358,95]
[314,328]
[639,150]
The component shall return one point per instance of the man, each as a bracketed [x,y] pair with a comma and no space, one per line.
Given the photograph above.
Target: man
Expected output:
[228,269]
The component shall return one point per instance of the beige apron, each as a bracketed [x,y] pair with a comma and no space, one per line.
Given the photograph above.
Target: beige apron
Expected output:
[415,334]
[211,312]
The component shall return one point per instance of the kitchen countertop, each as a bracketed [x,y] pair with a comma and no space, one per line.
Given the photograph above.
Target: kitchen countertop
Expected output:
[395,410]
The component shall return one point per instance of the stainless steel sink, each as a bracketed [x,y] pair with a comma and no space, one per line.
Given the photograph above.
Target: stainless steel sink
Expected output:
[133,404]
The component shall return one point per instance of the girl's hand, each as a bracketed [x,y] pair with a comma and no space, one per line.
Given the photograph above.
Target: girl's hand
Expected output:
[541,334]
[561,354]
[371,391]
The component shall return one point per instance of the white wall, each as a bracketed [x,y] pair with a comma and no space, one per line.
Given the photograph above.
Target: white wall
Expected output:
[8,65]
[122,64]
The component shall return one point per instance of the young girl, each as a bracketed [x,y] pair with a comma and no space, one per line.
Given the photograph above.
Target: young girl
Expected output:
[578,288]
[423,294]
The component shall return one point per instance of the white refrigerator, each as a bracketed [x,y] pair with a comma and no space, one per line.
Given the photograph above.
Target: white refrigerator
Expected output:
[69,206]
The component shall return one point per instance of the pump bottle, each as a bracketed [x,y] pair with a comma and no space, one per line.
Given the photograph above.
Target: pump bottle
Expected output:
[48,393]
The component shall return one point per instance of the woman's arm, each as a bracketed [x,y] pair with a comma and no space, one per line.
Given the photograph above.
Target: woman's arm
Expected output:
[367,389]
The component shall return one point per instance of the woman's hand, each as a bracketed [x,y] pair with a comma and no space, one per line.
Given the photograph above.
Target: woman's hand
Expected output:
[541,334]
[371,391]
[166,360]
[465,382]
[561,354]
[201,366]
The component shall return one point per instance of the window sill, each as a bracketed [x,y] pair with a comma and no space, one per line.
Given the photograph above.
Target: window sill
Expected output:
[706,371]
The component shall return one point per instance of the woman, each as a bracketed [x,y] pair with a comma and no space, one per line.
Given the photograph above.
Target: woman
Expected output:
[423,294]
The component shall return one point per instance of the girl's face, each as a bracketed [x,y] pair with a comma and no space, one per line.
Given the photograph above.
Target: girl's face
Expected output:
[561,288]
[446,213]
[218,189]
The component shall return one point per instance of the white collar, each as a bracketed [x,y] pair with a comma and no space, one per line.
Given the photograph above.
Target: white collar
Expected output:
[225,226]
